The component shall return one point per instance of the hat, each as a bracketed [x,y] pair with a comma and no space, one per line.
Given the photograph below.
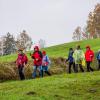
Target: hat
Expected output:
[36,47]
[88,46]
[99,50]
[44,52]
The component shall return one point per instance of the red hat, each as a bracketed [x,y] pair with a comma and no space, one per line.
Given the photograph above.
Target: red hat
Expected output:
[36,47]
[44,52]
[88,46]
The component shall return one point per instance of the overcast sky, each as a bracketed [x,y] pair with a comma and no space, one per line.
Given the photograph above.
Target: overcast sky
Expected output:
[52,20]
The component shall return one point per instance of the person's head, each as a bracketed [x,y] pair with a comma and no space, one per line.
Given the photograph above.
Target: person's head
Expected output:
[36,48]
[78,47]
[70,49]
[99,51]
[20,51]
[43,53]
[87,47]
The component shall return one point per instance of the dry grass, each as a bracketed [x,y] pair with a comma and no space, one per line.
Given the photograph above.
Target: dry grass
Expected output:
[8,71]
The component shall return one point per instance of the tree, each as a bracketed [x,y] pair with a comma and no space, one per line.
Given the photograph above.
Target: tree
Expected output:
[93,22]
[42,43]
[9,44]
[24,41]
[2,39]
[77,34]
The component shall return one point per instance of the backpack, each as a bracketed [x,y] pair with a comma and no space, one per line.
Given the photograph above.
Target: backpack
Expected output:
[48,60]
[98,57]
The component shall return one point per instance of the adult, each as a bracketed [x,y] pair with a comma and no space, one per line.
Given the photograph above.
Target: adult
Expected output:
[21,61]
[89,55]
[37,61]
[71,61]
[78,57]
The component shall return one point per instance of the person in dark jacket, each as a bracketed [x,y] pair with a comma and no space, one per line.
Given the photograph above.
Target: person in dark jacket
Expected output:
[98,59]
[20,62]
[37,61]
[71,60]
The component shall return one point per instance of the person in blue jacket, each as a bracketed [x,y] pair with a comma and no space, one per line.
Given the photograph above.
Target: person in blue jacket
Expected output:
[71,60]
[98,58]
[45,64]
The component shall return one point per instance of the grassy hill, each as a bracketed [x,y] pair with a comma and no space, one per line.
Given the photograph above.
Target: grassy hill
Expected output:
[60,50]
[81,86]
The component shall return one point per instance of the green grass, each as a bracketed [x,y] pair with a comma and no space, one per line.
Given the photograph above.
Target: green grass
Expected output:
[59,50]
[81,86]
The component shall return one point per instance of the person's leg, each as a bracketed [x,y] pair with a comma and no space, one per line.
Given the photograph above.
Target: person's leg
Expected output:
[76,68]
[40,69]
[81,68]
[91,67]
[21,73]
[69,69]
[98,64]
[34,72]
[46,71]
[88,64]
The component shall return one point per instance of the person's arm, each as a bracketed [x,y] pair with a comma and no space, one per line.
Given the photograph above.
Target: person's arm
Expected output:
[83,55]
[32,56]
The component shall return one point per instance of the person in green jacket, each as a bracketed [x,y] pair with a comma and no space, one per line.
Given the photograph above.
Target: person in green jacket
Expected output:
[78,57]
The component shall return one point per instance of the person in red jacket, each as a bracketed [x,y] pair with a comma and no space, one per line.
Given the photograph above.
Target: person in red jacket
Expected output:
[20,62]
[89,56]
[37,60]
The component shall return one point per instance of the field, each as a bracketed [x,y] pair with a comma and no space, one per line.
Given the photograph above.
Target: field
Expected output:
[62,86]
[81,86]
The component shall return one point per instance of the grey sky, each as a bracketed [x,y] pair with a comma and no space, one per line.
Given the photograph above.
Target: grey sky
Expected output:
[52,20]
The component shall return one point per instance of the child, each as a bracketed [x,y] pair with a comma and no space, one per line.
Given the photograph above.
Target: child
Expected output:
[45,63]
[98,58]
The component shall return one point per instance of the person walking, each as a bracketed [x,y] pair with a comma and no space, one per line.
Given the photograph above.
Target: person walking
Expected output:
[89,55]
[71,60]
[37,61]
[21,62]
[78,57]
[45,63]
[98,59]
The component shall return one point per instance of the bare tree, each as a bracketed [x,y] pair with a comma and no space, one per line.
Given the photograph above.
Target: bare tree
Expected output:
[42,43]
[77,34]
[24,41]
[2,39]
[93,22]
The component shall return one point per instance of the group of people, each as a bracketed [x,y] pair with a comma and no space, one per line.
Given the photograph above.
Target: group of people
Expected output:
[41,63]
[77,58]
